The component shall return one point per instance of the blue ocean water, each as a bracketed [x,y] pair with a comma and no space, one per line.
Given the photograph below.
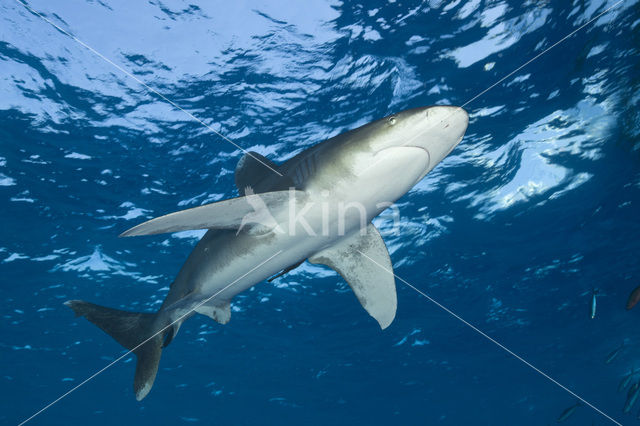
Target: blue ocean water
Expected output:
[536,207]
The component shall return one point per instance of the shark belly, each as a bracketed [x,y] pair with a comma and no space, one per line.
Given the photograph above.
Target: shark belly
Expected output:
[224,264]
[366,186]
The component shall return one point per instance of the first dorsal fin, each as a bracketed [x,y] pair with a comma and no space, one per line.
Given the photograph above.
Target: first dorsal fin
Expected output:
[257,172]
[252,169]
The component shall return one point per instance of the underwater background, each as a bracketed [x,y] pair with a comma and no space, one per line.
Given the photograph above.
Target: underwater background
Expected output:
[536,208]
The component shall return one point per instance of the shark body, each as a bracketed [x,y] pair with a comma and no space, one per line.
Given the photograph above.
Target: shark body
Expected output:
[317,206]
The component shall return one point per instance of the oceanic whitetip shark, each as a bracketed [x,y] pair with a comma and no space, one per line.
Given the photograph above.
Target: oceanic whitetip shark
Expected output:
[316,206]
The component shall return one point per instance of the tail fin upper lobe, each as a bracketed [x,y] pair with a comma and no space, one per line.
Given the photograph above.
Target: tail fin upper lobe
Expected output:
[135,331]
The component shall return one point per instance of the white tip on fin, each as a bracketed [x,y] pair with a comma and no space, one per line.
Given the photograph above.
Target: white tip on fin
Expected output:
[144,391]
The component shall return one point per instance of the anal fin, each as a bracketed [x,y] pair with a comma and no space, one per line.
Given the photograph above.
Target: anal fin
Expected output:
[219,312]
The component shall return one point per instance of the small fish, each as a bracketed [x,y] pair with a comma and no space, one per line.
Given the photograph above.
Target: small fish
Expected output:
[634,298]
[632,396]
[594,292]
[614,354]
[626,380]
[568,412]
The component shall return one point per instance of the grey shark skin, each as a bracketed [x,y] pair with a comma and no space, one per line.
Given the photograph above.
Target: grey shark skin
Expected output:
[316,206]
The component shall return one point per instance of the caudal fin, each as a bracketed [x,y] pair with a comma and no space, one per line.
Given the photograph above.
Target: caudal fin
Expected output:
[133,330]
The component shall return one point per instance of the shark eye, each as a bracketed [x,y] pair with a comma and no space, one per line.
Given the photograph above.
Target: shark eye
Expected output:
[392,120]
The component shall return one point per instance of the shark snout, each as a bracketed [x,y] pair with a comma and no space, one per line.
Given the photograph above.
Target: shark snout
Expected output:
[450,121]
[446,128]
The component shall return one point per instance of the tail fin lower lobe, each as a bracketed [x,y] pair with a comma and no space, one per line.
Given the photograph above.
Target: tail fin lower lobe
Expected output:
[135,331]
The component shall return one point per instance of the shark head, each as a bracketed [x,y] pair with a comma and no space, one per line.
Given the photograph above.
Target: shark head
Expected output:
[436,129]
[390,155]
[382,160]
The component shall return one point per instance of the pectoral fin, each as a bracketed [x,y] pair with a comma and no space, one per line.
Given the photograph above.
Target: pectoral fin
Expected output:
[234,213]
[363,261]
